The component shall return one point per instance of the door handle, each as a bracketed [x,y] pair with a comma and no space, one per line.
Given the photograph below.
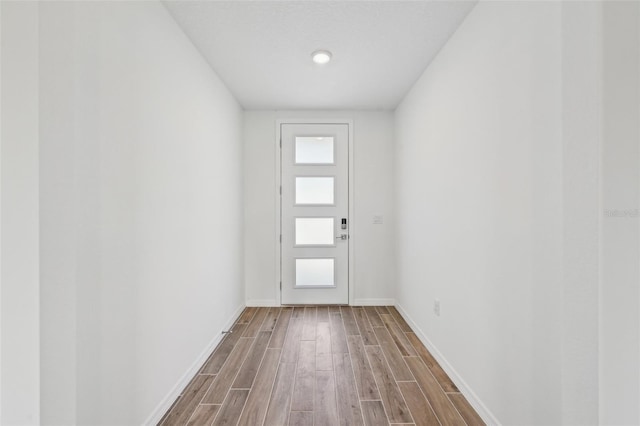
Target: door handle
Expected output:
[342,237]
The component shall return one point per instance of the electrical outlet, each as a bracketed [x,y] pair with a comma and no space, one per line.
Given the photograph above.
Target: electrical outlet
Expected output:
[436,307]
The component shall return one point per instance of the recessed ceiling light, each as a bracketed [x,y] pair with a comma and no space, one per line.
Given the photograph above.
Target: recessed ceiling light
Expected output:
[321,57]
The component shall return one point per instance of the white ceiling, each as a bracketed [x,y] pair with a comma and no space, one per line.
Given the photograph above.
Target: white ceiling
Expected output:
[262,49]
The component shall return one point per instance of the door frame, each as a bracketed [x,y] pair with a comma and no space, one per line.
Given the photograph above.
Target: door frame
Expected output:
[278,179]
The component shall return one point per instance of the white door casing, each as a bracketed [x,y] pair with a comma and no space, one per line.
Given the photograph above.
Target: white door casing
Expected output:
[314,206]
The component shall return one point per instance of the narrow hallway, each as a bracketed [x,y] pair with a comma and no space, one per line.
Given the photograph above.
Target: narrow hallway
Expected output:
[167,163]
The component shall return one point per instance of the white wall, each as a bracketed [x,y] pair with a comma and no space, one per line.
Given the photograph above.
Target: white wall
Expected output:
[484,161]
[58,216]
[20,380]
[581,209]
[374,257]
[620,349]
[137,192]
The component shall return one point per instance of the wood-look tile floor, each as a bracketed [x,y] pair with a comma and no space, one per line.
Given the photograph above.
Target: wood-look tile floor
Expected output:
[321,366]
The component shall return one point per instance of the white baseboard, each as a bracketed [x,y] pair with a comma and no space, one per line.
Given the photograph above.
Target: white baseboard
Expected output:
[464,388]
[164,405]
[374,302]
[270,303]
[267,303]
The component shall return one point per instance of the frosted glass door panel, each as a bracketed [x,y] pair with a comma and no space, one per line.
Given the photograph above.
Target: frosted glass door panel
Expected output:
[314,231]
[314,150]
[315,191]
[315,273]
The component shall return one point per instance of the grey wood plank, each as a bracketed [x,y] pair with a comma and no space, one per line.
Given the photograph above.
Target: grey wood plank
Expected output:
[231,409]
[305,377]
[399,319]
[280,403]
[419,407]
[189,400]
[292,341]
[256,323]
[322,314]
[309,328]
[398,336]
[373,316]
[338,336]
[301,418]
[204,415]
[280,331]
[221,353]
[325,412]
[270,320]
[395,407]
[466,410]
[350,325]
[366,384]
[366,329]
[249,369]
[333,309]
[258,399]
[227,375]
[347,393]
[394,357]
[432,364]
[246,315]
[374,413]
[442,406]
[382,310]
[323,346]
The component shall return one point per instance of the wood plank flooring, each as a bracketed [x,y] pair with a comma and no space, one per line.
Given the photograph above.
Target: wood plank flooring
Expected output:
[321,366]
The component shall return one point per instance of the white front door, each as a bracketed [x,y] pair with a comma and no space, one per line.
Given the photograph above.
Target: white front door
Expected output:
[315,213]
